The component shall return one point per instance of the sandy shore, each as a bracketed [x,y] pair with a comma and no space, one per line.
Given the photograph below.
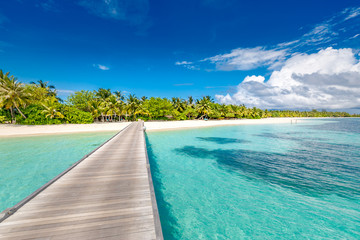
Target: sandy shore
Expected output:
[20,130]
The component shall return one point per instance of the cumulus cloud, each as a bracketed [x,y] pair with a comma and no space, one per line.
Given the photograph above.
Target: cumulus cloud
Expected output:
[101,67]
[327,79]
[248,58]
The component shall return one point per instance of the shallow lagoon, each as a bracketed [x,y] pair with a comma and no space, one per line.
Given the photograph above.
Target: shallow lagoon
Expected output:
[27,163]
[280,181]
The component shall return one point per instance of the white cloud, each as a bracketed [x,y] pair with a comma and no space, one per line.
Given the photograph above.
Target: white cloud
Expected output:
[327,33]
[192,67]
[327,79]
[64,91]
[254,78]
[320,34]
[183,63]
[351,13]
[248,58]
[101,67]
[355,36]
[286,44]
[188,65]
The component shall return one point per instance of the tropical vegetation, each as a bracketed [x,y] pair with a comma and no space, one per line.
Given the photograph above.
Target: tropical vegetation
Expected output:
[38,103]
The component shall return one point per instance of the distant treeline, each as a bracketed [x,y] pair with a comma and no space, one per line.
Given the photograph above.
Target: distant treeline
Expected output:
[38,103]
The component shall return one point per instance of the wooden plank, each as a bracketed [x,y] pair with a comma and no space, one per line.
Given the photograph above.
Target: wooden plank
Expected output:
[107,195]
[122,225]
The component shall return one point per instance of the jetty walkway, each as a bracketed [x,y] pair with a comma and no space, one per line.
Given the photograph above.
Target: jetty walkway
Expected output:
[107,195]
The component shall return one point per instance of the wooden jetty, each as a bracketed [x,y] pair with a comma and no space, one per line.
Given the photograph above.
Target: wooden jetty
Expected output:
[108,194]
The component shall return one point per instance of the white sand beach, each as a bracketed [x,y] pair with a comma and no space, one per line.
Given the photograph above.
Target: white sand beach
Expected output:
[7,130]
[19,130]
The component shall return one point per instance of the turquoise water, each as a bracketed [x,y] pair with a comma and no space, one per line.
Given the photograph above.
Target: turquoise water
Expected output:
[280,181]
[27,163]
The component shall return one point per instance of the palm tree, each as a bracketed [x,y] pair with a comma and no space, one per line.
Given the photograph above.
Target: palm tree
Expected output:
[43,84]
[132,105]
[190,102]
[190,112]
[50,110]
[112,106]
[179,104]
[203,106]
[50,89]
[103,96]
[209,98]
[119,95]
[103,93]
[13,94]
[38,94]
[94,108]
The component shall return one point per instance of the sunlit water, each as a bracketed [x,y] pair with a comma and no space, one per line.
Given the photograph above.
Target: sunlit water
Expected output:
[27,163]
[279,181]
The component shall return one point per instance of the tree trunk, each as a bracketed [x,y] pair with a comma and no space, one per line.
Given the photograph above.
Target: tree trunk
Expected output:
[20,111]
[12,114]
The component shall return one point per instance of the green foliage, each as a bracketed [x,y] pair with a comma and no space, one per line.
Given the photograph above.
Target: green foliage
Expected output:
[74,115]
[215,115]
[190,112]
[13,94]
[82,100]
[158,108]
[312,113]
[2,119]
[36,116]
[37,103]
[4,116]
[103,93]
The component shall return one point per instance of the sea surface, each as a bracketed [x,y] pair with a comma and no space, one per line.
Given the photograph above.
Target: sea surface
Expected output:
[27,163]
[278,181]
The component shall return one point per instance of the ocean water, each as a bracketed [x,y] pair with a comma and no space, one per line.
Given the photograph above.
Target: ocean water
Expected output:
[280,181]
[27,163]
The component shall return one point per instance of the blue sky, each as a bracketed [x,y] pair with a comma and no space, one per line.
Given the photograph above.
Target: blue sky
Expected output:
[253,52]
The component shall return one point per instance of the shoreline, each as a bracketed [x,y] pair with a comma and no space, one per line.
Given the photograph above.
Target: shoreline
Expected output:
[10,130]
[189,124]
[37,130]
